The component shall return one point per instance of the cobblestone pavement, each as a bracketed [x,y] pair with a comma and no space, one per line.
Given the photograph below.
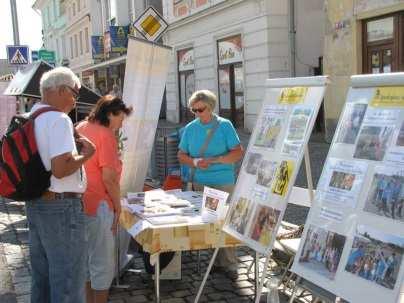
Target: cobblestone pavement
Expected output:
[15,270]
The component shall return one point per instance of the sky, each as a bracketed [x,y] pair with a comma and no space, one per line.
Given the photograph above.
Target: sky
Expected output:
[29,25]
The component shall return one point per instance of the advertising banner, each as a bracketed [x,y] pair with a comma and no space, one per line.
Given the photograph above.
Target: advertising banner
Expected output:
[119,38]
[353,242]
[272,160]
[97,47]
[230,50]
[146,72]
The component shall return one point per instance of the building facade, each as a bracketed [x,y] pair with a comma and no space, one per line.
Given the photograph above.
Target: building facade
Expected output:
[361,37]
[232,47]
[53,25]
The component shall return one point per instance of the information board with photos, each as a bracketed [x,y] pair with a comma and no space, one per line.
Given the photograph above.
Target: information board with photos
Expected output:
[353,241]
[272,159]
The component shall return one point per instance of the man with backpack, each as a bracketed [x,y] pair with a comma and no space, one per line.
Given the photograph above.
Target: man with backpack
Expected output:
[56,218]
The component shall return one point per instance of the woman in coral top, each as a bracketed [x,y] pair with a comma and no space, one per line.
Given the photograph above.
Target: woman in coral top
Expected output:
[102,197]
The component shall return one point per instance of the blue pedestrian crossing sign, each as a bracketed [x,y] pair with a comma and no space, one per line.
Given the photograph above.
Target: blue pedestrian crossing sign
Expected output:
[18,54]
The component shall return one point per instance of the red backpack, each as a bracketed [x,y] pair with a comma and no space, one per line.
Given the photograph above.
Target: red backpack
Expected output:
[22,174]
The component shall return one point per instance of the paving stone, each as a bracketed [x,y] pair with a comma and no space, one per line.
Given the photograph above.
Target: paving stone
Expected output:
[137,299]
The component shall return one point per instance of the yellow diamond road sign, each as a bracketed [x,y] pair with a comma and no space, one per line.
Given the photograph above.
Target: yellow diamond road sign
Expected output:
[150,24]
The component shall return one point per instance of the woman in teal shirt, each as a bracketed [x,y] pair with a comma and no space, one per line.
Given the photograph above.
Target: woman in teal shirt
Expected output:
[212,164]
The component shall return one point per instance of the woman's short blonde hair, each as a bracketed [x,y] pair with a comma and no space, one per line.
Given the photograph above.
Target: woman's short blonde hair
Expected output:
[205,96]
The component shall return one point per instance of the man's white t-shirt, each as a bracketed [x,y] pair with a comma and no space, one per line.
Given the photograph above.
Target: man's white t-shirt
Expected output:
[54,137]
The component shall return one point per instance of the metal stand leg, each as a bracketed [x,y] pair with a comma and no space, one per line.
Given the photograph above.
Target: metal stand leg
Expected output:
[256,272]
[157,279]
[308,173]
[212,260]
[261,285]
[293,295]
[118,262]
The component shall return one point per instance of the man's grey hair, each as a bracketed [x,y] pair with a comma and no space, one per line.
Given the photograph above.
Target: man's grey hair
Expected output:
[205,96]
[58,77]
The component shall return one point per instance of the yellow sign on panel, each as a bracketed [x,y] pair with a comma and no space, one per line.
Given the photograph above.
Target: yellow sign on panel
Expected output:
[388,97]
[150,25]
[283,175]
[292,95]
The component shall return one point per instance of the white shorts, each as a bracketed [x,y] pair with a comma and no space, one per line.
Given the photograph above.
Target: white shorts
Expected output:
[101,248]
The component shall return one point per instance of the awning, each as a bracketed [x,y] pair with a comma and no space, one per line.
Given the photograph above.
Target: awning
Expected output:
[26,83]
[107,63]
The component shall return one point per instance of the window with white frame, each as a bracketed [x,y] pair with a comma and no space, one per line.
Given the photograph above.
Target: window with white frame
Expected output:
[76,46]
[86,39]
[71,47]
[81,42]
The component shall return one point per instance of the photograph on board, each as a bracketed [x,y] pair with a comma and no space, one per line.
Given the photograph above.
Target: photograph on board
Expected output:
[386,193]
[269,129]
[373,142]
[253,161]
[211,203]
[375,256]
[283,175]
[263,224]
[341,181]
[240,214]
[400,138]
[321,252]
[299,120]
[351,123]
[266,172]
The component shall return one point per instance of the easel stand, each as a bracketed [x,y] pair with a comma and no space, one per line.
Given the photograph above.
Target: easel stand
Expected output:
[259,283]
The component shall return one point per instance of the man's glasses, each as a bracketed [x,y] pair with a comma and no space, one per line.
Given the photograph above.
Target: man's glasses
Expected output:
[198,110]
[75,93]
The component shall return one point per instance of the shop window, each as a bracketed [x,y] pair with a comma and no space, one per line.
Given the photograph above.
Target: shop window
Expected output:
[383,44]
[76,46]
[71,47]
[86,39]
[78,5]
[231,80]
[81,42]
[186,76]
[74,9]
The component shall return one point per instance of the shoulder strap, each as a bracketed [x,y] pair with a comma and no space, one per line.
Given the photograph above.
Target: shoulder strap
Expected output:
[209,137]
[40,111]
[205,145]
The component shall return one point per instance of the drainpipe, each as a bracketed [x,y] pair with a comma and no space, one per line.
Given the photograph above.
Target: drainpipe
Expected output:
[292,38]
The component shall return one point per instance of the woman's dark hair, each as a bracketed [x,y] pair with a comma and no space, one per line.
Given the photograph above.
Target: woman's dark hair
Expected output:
[106,105]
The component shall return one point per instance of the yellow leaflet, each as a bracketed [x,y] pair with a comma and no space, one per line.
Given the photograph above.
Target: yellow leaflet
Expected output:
[283,175]
[388,97]
[292,95]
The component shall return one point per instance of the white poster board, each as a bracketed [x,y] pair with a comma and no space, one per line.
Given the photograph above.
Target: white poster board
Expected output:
[146,71]
[272,159]
[353,242]
[8,108]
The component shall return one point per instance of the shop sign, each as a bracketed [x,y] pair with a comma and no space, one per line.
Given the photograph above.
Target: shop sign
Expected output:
[119,38]
[107,44]
[186,59]
[87,73]
[150,24]
[47,55]
[230,50]
[97,47]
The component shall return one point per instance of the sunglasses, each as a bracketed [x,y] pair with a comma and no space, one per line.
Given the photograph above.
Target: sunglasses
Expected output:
[198,110]
[74,92]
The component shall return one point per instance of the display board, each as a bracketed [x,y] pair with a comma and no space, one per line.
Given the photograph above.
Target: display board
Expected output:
[8,108]
[272,159]
[353,241]
[146,71]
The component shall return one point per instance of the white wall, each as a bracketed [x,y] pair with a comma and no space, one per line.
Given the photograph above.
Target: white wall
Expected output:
[310,25]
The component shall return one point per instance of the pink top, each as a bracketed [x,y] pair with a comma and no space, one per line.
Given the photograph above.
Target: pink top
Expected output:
[106,155]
